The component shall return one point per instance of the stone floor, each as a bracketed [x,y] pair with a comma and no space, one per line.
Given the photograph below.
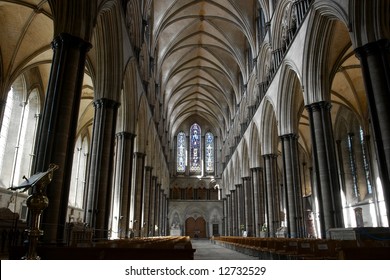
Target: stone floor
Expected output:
[206,250]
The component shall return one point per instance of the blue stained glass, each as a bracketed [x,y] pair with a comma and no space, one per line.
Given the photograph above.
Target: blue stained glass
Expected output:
[209,157]
[181,152]
[195,148]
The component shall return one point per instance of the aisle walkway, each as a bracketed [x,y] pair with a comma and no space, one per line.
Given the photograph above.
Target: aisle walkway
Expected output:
[205,250]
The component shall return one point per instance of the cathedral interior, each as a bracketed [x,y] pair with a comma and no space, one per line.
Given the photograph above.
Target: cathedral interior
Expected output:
[199,118]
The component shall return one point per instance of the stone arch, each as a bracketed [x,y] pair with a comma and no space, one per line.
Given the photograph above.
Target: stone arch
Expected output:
[255,147]
[290,103]
[130,97]
[375,12]
[244,110]
[142,126]
[236,169]
[323,22]
[133,21]
[109,58]
[245,159]
[264,64]
[281,24]
[264,4]
[269,126]
[150,145]
[230,172]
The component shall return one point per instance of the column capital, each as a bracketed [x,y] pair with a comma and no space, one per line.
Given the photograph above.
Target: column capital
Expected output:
[106,103]
[289,136]
[373,48]
[256,169]
[269,156]
[148,168]
[248,178]
[140,155]
[125,135]
[68,40]
[319,106]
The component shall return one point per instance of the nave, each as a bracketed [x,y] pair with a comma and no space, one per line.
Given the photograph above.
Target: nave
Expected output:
[207,250]
[195,118]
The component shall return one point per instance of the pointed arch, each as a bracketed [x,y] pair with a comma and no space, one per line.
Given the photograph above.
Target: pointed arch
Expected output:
[255,147]
[142,126]
[322,23]
[269,128]
[245,159]
[290,103]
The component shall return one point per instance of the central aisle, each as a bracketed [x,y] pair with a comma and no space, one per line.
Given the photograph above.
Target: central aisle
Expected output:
[205,250]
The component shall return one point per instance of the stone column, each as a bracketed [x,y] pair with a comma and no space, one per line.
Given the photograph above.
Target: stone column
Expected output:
[123,176]
[224,216]
[256,201]
[234,212]
[57,137]
[291,182]
[326,176]
[157,209]
[161,214]
[229,216]
[101,166]
[375,61]
[138,192]
[146,200]
[166,232]
[152,204]
[272,194]
[240,208]
[248,195]
[340,161]
[160,211]
[260,201]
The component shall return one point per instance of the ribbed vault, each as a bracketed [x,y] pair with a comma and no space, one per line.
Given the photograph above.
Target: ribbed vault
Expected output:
[201,51]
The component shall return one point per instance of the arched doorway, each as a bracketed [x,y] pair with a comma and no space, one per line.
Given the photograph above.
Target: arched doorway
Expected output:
[196,228]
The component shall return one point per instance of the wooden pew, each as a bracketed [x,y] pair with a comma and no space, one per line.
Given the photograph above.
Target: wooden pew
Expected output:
[179,248]
[364,253]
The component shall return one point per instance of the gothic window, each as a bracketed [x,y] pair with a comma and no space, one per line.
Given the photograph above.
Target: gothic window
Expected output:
[181,153]
[18,131]
[352,165]
[195,149]
[366,166]
[209,150]
[79,172]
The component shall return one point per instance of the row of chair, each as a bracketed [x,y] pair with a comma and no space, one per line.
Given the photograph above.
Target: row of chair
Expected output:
[306,249]
[150,248]
[162,242]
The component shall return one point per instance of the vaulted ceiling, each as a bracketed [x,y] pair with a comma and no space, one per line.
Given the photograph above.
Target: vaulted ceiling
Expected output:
[200,53]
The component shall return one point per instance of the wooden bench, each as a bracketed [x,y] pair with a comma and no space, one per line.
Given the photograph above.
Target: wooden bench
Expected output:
[364,253]
[177,248]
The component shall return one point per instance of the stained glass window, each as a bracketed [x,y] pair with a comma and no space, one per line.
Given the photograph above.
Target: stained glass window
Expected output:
[209,152]
[195,149]
[181,152]
[365,161]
